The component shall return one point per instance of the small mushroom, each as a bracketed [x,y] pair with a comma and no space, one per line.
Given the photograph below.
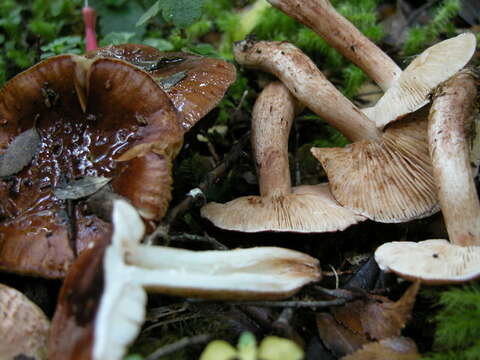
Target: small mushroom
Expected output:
[98,317]
[280,207]
[385,175]
[23,325]
[195,84]
[437,261]
[85,113]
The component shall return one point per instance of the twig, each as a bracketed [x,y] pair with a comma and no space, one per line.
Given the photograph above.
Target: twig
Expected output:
[179,345]
[164,227]
[205,238]
[282,304]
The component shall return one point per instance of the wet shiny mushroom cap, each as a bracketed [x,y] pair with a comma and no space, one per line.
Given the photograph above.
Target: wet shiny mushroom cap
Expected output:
[126,131]
[194,83]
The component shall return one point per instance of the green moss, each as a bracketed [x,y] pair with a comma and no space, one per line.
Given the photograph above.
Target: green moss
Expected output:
[457,336]
[419,38]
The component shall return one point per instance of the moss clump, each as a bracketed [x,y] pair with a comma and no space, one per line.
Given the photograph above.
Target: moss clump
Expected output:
[457,336]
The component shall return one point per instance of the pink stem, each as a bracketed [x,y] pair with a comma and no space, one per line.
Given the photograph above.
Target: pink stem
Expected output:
[89,19]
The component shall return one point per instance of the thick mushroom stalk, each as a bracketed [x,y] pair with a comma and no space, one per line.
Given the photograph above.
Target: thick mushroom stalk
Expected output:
[306,82]
[273,116]
[102,303]
[321,17]
[450,119]
[279,206]
[437,261]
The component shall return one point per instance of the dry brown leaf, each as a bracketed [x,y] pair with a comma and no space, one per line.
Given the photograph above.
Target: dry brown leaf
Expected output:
[377,316]
[337,338]
[396,348]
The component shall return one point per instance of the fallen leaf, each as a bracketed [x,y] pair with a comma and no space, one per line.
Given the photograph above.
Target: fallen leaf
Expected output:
[337,338]
[397,348]
[80,188]
[20,152]
[166,83]
[377,316]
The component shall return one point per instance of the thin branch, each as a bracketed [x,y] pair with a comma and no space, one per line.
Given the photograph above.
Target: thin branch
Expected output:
[163,228]
[179,345]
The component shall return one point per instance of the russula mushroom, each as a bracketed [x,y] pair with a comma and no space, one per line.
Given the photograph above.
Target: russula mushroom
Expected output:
[194,83]
[95,321]
[280,207]
[98,118]
[384,175]
[437,261]
[321,17]
[23,325]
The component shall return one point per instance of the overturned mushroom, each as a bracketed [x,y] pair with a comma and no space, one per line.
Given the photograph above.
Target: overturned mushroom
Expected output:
[383,175]
[23,325]
[406,91]
[195,84]
[437,261]
[280,207]
[97,318]
[86,114]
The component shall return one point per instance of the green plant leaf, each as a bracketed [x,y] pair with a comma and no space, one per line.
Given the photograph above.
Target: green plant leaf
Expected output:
[116,38]
[182,13]
[150,13]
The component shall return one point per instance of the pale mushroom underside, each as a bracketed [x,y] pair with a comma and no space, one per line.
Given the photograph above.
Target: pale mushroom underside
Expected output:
[386,181]
[309,208]
[434,261]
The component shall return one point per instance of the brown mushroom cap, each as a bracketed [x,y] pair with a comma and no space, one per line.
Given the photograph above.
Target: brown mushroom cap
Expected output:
[128,128]
[194,83]
[433,261]
[23,325]
[387,181]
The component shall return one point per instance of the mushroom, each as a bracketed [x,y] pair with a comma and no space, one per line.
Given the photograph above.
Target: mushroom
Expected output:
[280,207]
[128,132]
[98,318]
[385,175]
[414,86]
[405,91]
[23,325]
[437,261]
[195,84]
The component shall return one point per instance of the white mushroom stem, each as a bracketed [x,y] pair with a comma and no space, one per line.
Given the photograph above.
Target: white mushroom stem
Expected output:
[308,85]
[272,119]
[321,17]
[450,115]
